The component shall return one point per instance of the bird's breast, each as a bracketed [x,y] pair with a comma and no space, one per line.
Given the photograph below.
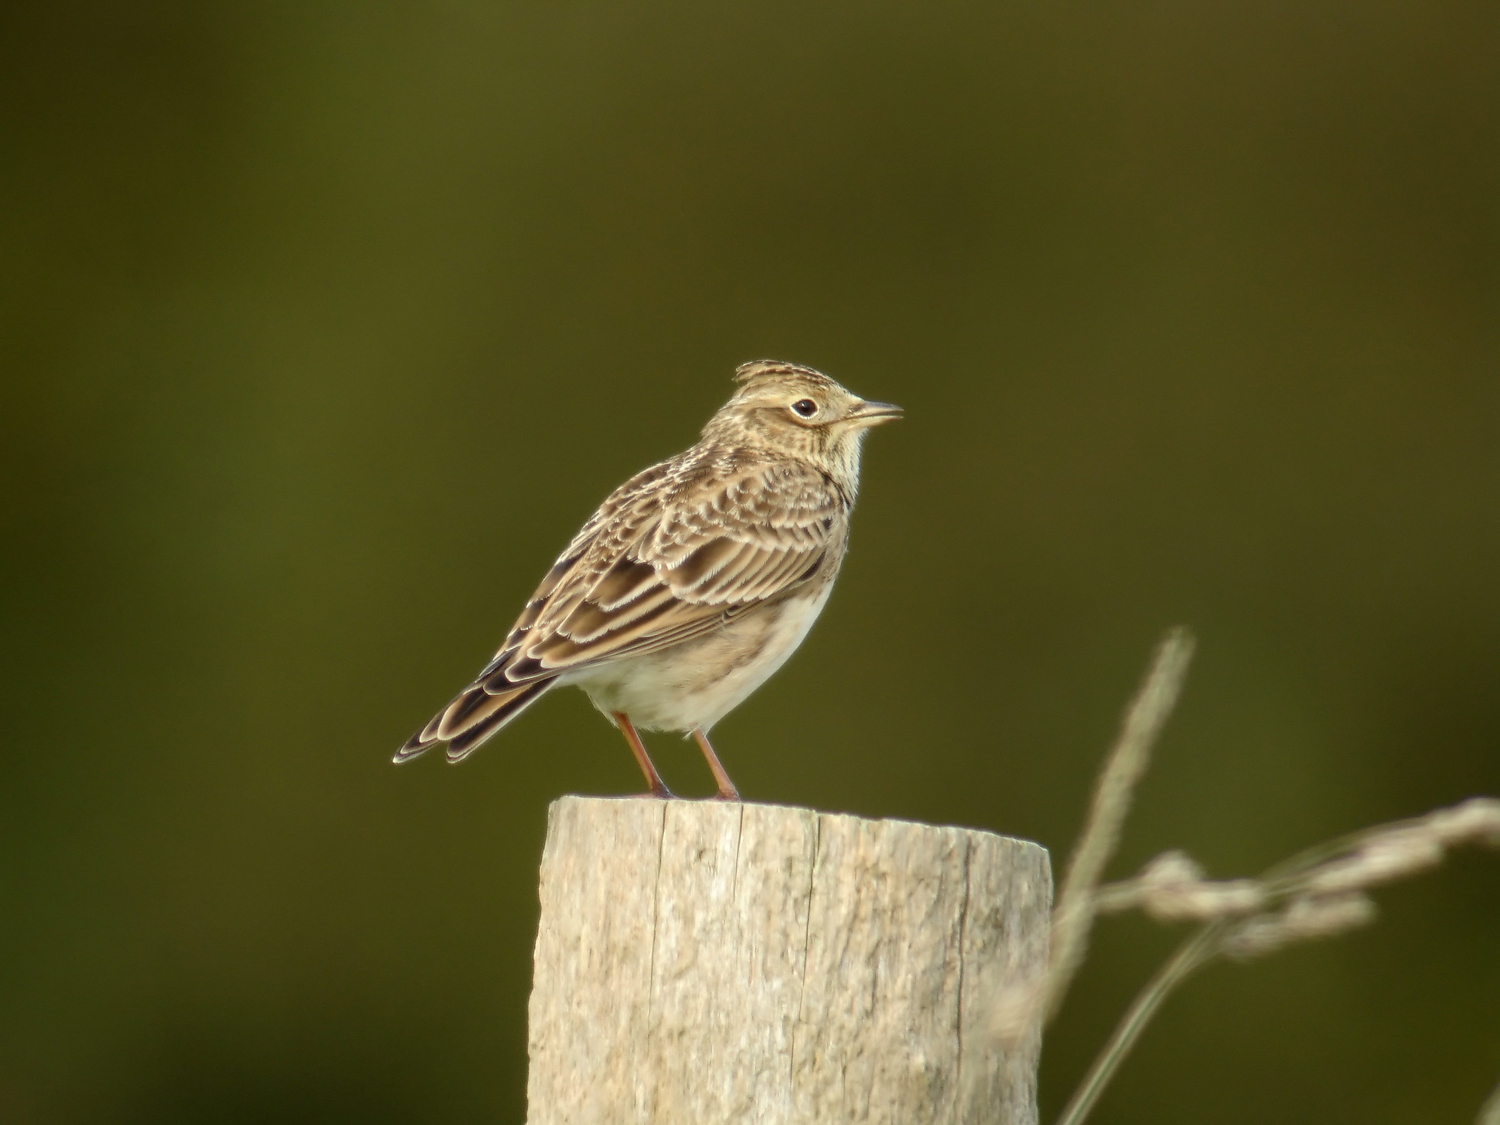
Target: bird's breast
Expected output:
[695,684]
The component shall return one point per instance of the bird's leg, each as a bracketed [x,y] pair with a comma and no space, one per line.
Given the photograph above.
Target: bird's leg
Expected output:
[727,791]
[642,759]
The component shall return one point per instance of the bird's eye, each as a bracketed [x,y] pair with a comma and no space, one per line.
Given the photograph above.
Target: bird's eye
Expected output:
[805,407]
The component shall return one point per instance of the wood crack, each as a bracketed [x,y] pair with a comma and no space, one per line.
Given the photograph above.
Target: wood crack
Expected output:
[812,873]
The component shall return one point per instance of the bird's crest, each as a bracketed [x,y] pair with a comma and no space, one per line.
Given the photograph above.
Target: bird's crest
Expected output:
[756,370]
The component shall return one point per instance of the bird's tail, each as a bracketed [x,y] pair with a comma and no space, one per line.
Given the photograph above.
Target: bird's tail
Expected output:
[471,718]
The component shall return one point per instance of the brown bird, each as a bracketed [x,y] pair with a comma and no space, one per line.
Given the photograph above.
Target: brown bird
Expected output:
[694,581]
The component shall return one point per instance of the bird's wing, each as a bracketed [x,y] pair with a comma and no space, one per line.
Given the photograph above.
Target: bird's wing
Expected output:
[669,560]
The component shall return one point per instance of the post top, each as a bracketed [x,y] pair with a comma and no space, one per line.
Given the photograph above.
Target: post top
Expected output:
[712,809]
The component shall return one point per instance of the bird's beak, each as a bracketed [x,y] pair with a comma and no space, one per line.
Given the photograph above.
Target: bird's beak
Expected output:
[874,413]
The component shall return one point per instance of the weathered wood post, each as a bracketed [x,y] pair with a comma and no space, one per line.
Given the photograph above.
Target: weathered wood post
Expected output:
[707,963]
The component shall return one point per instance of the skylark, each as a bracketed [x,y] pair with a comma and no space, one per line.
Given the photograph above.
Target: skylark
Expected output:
[694,581]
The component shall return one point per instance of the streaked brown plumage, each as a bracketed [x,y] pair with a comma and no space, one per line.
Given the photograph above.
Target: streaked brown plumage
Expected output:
[694,581]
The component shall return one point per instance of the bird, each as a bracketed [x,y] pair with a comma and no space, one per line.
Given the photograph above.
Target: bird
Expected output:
[694,581]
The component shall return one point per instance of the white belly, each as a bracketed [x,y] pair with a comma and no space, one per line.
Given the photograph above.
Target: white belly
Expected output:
[696,684]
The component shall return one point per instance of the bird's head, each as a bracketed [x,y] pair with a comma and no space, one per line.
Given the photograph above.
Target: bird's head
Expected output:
[799,412]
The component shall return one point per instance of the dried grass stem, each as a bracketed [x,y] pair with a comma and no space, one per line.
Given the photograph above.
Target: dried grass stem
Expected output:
[1144,719]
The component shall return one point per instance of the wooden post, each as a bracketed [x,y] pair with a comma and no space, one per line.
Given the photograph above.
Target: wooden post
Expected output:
[706,963]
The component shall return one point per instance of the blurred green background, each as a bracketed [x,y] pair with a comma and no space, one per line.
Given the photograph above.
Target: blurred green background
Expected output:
[324,325]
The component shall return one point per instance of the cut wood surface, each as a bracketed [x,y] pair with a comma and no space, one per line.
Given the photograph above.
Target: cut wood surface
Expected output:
[704,962]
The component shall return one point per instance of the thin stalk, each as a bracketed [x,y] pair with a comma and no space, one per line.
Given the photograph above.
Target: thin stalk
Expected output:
[1189,956]
[1147,714]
